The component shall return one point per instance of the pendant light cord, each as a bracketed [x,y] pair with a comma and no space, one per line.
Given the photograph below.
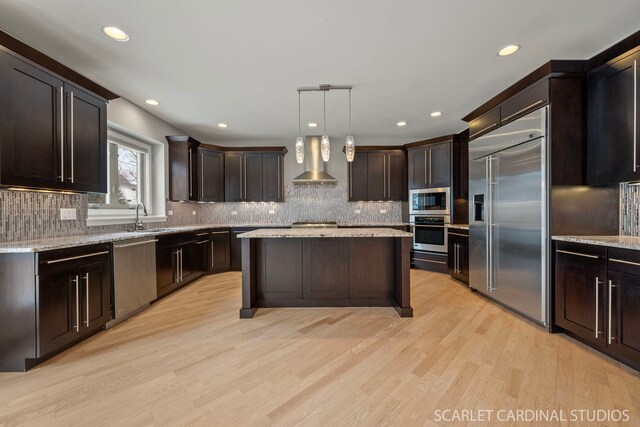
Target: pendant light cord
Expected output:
[324,111]
[299,129]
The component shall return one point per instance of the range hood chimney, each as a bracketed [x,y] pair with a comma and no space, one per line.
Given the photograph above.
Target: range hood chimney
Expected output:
[314,165]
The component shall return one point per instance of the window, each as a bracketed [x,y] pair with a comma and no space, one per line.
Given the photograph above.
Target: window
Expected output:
[135,175]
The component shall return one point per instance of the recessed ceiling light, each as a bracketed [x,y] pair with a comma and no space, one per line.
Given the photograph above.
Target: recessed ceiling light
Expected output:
[116,33]
[509,49]
[401,124]
[152,102]
[436,114]
[312,125]
[223,125]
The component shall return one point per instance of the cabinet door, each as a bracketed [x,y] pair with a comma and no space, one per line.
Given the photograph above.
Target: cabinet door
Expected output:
[188,260]
[615,116]
[451,256]
[484,123]
[358,179]
[166,270]
[580,297]
[236,250]
[95,296]
[180,171]
[31,125]
[272,178]
[86,141]
[376,176]
[624,332]
[57,313]
[210,176]
[233,177]
[253,174]
[439,165]
[418,173]
[396,177]
[201,256]
[220,249]
[463,260]
[326,271]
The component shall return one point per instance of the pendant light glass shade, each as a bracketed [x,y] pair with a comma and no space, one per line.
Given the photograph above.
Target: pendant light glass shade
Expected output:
[299,150]
[299,140]
[325,148]
[350,149]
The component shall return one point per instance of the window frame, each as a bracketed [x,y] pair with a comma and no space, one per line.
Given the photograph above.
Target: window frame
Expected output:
[153,180]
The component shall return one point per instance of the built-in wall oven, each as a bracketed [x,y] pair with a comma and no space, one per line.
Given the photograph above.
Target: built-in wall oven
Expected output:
[430,201]
[430,232]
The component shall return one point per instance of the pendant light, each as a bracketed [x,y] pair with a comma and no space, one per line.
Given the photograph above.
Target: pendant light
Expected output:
[325,144]
[299,140]
[350,147]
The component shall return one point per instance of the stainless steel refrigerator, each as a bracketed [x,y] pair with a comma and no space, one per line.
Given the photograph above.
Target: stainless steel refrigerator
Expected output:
[508,218]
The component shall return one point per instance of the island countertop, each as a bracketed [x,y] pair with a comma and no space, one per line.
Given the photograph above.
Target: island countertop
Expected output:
[296,233]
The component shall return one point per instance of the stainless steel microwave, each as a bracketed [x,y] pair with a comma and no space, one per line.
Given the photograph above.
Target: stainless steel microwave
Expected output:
[430,201]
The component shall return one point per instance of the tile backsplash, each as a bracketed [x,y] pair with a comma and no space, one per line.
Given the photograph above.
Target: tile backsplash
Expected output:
[28,215]
[629,209]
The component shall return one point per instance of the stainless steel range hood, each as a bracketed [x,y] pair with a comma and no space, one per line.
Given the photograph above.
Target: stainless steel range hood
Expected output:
[314,165]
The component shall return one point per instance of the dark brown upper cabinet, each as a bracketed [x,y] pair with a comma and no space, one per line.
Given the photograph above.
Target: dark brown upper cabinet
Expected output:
[254,176]
[53,134]
[210,174]
[430,163]
[613,122]
[183,174]
[378,174]
[560,84]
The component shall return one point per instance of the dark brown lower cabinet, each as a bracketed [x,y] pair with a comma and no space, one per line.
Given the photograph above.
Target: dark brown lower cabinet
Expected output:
[458,255]
[430,261]
[597,295]
[200,255]
[219,251]
[56,298]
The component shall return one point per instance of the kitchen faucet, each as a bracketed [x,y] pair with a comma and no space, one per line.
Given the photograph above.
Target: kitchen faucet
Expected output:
[138,224]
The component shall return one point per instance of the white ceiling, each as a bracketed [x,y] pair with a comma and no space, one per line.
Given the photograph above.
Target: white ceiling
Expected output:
[240,62]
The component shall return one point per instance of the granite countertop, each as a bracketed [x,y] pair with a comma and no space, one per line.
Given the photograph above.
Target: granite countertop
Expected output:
[374,224]
[42,245]
[459,226]
[293,233]
[625,242]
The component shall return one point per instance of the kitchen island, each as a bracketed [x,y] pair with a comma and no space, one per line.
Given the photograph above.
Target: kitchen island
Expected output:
[363,267]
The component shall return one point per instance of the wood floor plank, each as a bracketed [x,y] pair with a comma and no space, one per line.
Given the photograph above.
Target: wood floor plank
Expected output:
[190,361]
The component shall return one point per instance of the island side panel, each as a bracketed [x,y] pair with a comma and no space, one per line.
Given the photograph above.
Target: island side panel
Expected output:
[249,279]
[372,269]
[326,269]
[402,273]
[279,272]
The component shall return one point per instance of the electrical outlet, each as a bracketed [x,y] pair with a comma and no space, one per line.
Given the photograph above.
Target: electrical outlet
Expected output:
[383,211]
[193,212]
[67,214]
[272,212]
[358,211]
[170,213]
[234,212]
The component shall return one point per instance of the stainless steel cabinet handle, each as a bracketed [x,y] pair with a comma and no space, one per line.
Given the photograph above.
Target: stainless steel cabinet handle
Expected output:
[76,281]
[201,234]
[71,132]
[86,290]
[175,273]
[597,307]
[577,254]
[384,177]
[426,181]
[146,242]
[190,174]
[226,232]
[389,177]
[181,265]
[458,257]
[611,337]
[635,115]
[244,180]
[524,109]
[456,234]
[621,261]
[492,125]
[487,227]
[202,175]
[61,134]
[212,264]
[279,178]
[55,261]
[430,166]
[429,226]
[202,242]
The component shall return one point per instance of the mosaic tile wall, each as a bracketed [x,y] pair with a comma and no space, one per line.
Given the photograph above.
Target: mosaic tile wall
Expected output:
[629,209]
[28,215]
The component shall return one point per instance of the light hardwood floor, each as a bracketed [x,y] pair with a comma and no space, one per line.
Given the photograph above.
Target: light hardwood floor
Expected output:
[189,360]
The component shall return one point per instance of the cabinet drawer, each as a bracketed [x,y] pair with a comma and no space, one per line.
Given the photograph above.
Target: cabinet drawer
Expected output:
[458,232]
[485,123]
[523,102]
[624,261]
[51,261]
[576,253]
